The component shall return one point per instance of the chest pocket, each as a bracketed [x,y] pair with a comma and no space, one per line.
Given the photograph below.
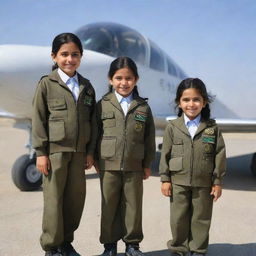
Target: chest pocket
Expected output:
[177,147]
[57,107]
[108,119]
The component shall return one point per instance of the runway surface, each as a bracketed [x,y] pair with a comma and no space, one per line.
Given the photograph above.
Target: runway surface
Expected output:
[233,230]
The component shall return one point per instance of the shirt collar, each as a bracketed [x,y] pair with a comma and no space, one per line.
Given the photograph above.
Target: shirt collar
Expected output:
[120,98]
[196,121]
[64,77]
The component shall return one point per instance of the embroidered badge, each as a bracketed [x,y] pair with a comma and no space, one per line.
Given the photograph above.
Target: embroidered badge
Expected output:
[90,92]
[88,100]
[140,116]
[209,131]
[138,127]
[208,148]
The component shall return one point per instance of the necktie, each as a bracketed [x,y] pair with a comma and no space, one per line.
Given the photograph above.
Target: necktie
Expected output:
[124,105]
[74,87]
[192,127]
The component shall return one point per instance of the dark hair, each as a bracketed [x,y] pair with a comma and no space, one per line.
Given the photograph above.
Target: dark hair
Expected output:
[123,62]
[197,84]
[65,38]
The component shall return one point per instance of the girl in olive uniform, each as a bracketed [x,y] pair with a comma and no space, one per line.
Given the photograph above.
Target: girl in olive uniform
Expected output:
[192,167]
[61,127]
[126,148]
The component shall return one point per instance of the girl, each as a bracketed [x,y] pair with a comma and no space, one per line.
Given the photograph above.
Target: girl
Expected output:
[126,148]
[192,166]
[61,127]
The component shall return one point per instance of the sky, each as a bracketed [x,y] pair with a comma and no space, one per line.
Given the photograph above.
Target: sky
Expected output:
[214,40]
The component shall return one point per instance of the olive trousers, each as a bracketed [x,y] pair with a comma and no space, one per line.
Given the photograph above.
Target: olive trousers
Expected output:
[191,212]
[64,195]
[121,206]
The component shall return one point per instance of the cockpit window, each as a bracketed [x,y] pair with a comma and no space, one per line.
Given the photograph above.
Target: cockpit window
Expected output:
[171,67]
[114,40]
[156,58]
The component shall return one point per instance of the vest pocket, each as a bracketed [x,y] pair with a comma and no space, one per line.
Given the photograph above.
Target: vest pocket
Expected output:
[56,130]
[175,164]
[177,147]
[108,147]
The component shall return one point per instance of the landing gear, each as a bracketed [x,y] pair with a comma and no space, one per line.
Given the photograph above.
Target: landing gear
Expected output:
[253,164]
[25,175]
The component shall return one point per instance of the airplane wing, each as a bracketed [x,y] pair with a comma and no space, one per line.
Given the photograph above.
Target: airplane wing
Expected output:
[231,125]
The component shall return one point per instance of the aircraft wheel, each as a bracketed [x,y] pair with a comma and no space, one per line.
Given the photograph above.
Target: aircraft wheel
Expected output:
[25,175]
[253,164]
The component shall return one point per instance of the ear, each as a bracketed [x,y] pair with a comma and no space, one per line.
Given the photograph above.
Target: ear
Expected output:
[110,81]
[205,102]
[53,56]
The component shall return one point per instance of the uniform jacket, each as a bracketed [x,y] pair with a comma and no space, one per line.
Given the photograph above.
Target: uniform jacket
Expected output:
[125,142]
[200,162]
[59,123]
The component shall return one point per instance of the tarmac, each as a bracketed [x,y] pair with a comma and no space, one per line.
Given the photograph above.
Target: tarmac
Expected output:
[233,230]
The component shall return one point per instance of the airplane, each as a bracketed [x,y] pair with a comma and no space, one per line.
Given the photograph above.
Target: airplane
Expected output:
[22,66]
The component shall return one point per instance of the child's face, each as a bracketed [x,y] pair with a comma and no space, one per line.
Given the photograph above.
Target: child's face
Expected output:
[123,81]
[68,58]
[191,103]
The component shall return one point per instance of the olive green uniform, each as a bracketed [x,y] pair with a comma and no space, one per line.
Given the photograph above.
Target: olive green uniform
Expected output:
[63,130]
[126,146]
[192,166]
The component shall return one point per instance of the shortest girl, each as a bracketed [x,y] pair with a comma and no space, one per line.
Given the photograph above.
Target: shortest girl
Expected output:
[126,149]
[192,166]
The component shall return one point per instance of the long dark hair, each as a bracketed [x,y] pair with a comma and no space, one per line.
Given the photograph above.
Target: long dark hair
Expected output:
[197,84]
[65,38]
[119,63]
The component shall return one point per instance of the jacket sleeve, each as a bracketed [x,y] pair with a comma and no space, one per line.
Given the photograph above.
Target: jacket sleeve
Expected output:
[40,139]
[150,141]
[165,154]
[90,147]
[220,160]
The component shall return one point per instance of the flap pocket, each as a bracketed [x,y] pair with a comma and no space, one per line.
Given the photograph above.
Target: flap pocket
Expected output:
[108,147]
[175,164]
[107,115]
[177,141]
[57,104]
[56,130]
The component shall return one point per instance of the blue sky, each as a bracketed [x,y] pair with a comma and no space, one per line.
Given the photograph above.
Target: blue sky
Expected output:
[214,40]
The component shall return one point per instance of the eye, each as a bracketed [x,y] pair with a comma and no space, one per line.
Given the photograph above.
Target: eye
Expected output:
[64,54]
[76,54]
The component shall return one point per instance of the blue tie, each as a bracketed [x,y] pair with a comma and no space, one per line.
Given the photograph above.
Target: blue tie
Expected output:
[74,87]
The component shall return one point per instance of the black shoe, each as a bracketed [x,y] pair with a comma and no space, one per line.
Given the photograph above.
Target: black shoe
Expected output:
[53,252]
[68,250]
[133,250]
[110,250]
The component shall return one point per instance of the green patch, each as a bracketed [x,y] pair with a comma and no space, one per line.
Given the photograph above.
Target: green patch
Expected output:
[208,139]
[140,116]
[88,100]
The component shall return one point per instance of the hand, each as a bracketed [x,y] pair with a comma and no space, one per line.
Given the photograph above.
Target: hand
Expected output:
[43,164]
[147,173]
[216,192]
[89,161]
[166,188]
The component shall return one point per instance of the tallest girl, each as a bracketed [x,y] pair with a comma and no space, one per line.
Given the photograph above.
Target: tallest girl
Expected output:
[61,127]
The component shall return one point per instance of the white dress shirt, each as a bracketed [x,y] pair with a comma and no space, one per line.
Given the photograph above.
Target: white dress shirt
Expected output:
[71,82]
[192,125]
[125,102]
